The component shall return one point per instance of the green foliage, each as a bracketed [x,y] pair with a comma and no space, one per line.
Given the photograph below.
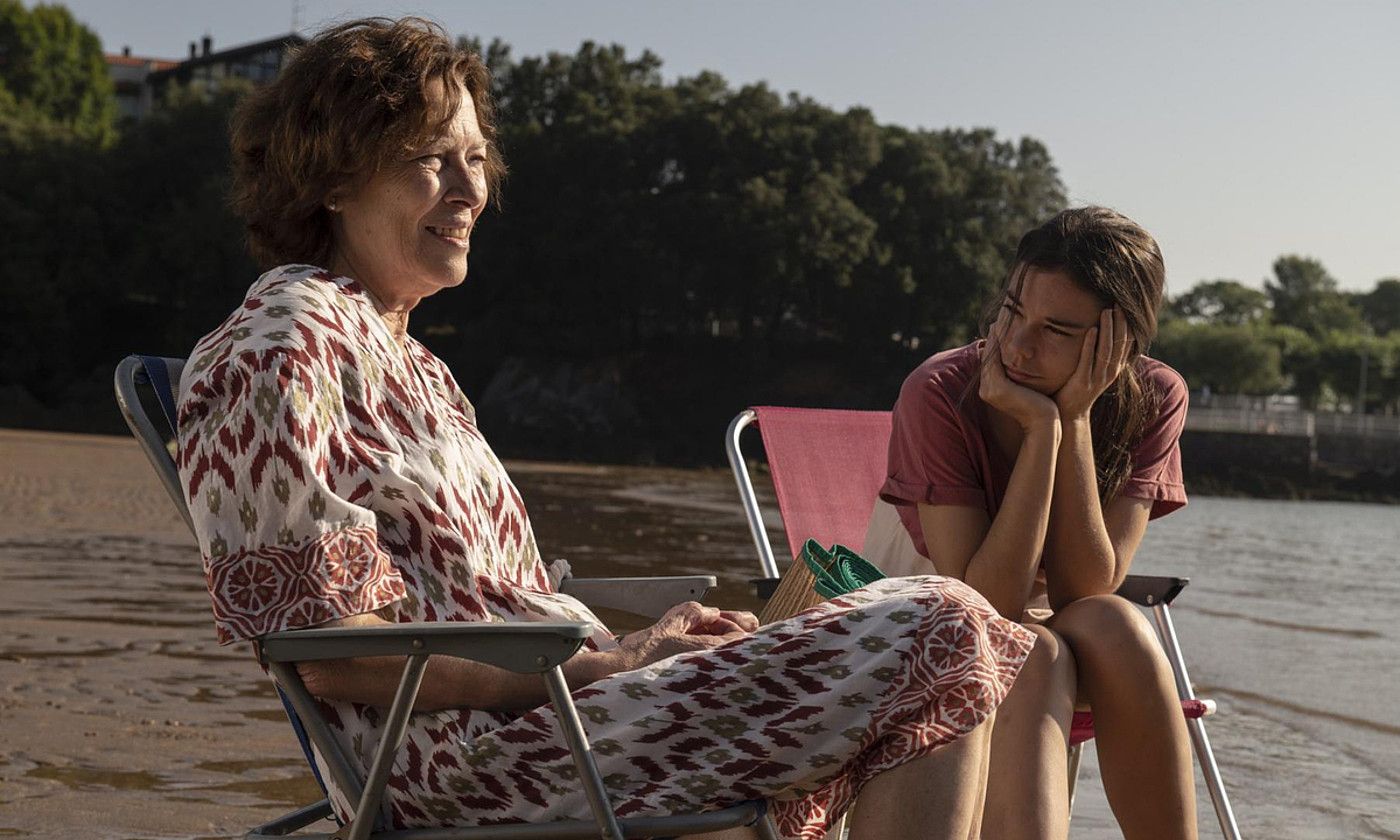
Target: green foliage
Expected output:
[1299,352]
[1304,295]
[639,211]
[1345,360]
[114,249]
[1226,302]
[1231,359]
[692,245]
[51,68]
[699,241]
[1381,306]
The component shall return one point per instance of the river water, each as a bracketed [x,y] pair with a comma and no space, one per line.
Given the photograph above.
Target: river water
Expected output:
[120,717]
[1290,624]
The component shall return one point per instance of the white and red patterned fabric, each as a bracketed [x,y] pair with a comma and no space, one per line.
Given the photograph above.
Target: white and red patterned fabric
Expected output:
[332,471]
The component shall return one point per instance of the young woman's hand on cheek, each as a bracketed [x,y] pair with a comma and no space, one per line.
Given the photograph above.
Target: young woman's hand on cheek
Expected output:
[1028,407]
[1101,360]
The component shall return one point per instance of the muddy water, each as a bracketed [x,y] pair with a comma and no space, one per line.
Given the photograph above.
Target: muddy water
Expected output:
[121,718]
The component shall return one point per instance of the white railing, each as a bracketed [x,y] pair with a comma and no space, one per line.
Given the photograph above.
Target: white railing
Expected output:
[1359,425]
[1297,423]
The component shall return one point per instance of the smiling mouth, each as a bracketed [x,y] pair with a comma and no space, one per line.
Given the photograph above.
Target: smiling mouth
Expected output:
[455,235]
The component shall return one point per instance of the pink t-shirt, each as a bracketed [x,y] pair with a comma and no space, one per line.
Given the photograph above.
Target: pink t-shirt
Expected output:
[941,454]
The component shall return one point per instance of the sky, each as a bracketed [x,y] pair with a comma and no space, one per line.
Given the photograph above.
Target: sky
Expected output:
[1234,132]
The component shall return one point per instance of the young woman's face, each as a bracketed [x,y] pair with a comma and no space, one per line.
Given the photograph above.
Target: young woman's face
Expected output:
[1045,322]
[406,231]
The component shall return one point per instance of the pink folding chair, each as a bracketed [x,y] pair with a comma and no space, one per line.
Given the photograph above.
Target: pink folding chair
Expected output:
[827,467]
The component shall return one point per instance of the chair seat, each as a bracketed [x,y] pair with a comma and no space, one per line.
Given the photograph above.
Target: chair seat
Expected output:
[1082,727]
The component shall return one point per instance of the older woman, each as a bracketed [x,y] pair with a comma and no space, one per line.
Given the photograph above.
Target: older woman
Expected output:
[336,475]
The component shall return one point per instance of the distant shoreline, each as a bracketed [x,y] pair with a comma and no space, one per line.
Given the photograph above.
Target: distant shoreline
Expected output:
[1371,488]
[1275,466]
[1227,479]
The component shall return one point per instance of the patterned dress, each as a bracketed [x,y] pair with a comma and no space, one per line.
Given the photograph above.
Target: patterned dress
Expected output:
[332,471]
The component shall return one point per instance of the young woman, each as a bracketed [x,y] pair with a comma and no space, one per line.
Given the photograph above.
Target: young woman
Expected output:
[1028,465]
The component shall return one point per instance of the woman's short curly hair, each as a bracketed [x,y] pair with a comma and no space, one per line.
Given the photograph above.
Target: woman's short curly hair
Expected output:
[350,99]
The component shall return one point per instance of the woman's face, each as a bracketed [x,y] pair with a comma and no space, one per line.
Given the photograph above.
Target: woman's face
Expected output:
[405,232]
[1044,323]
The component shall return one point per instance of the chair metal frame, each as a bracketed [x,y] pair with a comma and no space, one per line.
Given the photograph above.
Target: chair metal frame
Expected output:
[522,647]
[1152,592]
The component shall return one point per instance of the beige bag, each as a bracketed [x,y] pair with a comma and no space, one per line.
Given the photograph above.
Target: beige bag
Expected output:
[793,595]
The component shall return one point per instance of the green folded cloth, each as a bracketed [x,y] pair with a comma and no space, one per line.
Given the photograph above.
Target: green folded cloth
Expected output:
[838,571]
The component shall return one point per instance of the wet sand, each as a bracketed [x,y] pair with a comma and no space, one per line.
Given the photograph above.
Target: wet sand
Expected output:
[121,717]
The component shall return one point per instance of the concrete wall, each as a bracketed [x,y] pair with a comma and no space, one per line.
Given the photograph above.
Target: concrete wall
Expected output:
[1290,465]
[1381,454]
[1226,454]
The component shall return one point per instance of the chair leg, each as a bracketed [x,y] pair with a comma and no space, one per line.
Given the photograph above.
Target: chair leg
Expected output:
[571,727]
[1166,632]
[1076,753]
[395,726]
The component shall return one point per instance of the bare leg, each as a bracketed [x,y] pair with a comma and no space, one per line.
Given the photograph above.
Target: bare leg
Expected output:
[1027,791]
[936,797]
[974,831]
[1144,750]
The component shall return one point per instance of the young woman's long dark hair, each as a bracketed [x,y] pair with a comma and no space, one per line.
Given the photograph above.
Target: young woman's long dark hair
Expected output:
[1113,258]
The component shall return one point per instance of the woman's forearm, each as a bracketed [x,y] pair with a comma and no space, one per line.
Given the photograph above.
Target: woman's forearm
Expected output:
[1079,556]
[1003,568]
[448,682]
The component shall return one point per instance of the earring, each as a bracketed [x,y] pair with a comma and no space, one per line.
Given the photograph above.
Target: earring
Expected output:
[333,206]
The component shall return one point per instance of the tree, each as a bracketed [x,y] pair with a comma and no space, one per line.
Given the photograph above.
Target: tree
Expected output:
[1380,307]
[949,208]
[1346,361]
[1301,362]
[1225,302]
[689,245]
[160,258]
[51,67]
[1305,296]
[1230,359]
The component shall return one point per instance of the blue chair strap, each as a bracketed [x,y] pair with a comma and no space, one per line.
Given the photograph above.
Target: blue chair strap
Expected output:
[302,739]
[159,376]
[165,390]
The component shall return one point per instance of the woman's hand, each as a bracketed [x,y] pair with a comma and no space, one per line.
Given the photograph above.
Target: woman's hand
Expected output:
[1101,360]
[1028,407]
[685,627]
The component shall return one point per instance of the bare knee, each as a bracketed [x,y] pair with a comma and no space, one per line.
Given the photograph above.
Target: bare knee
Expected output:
[1108,635]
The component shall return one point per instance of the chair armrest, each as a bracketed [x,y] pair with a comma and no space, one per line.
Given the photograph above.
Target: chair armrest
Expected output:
[1149,591]
[523,647]
[645,596]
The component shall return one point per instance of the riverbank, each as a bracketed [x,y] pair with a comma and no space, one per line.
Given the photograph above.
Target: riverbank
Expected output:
[1292,467]
[1256,466]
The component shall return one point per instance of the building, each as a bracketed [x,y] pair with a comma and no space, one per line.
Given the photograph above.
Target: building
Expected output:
[129,76]
[142,82]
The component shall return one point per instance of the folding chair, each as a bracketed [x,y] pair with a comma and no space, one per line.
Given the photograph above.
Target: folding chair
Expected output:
[523,647]
[827,468]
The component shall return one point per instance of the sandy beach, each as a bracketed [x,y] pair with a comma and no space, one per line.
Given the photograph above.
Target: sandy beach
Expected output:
[120,717]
